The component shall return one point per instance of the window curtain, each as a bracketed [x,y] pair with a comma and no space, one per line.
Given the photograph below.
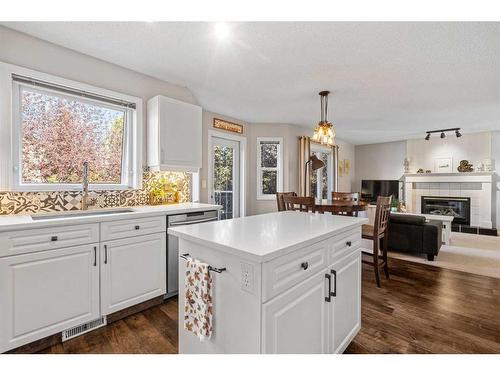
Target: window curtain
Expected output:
[304,173]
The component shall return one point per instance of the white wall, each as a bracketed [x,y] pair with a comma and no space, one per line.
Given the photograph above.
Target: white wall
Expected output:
[472,147]
[380,161]
[347,151]
[29,52]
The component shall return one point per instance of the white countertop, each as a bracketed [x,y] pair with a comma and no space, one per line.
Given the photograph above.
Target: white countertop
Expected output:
[15,222]
[261,238]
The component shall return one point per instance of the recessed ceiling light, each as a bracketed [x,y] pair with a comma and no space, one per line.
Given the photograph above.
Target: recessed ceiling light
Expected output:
[221,30]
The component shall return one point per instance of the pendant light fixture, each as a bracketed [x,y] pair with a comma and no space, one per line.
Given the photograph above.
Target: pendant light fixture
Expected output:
[324,132]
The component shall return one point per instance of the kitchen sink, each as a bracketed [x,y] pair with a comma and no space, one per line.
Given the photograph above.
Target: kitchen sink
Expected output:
[79,214]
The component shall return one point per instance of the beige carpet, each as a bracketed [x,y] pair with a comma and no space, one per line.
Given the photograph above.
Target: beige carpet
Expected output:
[467,252]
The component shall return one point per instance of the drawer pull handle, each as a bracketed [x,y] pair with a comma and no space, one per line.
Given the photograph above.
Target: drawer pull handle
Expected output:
[304,265]
[328,295]
[53,238]
[137,227]
[349,243]
[95,256]
[105,254]
[334,293]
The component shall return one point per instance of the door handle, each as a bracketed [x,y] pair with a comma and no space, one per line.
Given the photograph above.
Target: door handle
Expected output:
[334,293]
[95,256]
[329,278]
[105,254]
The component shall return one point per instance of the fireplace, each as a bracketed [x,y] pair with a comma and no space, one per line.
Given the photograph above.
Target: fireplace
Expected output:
[457,207]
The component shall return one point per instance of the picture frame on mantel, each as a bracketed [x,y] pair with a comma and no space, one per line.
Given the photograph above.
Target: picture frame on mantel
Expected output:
[443,165]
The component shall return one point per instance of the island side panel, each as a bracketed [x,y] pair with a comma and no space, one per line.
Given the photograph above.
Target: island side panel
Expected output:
[237,312]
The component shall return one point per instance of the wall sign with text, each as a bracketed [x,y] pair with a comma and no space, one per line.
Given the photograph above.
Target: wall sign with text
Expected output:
[227,125]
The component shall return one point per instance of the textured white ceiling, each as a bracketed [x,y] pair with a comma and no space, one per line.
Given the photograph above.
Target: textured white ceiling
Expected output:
[389,81]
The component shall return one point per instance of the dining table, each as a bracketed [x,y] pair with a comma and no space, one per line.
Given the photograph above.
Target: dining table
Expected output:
[340,206]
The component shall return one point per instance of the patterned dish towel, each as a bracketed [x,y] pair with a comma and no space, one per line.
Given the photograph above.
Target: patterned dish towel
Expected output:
[198,299]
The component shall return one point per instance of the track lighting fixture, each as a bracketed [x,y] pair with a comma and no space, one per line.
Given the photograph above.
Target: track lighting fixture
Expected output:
[443,131]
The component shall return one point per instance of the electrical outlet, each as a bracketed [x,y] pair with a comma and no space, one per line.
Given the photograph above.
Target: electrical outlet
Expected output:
[247,277]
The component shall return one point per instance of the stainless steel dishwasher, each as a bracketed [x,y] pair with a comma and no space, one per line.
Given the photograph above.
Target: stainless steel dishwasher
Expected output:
[173,244]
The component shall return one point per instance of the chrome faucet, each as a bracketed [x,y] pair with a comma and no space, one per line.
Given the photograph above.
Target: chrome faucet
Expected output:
[85,186]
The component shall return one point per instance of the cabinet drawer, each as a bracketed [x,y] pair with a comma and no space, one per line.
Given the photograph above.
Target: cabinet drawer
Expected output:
[33,240]
[344,243]
[284,272]
[114,230]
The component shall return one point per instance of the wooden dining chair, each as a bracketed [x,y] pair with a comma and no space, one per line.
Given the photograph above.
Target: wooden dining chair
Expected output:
[279,199]
[350,197]
[303,204]
[377,233]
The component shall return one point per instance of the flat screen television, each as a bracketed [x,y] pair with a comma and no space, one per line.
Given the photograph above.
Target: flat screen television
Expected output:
[371,189]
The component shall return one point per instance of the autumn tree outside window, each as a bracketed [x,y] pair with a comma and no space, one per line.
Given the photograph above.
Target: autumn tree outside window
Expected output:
[58,130]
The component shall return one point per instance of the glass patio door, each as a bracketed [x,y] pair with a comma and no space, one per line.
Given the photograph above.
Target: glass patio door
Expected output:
[225,189]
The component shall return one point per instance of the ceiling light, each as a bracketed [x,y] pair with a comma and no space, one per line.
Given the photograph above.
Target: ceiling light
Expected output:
[324,132]
[457,133]
[428,136]
[221,30]
[443,135]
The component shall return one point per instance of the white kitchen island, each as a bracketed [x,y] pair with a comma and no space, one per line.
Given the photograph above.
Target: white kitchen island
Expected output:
[292,282]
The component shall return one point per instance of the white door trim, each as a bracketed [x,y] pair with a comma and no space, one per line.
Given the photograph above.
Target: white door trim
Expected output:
[243,149]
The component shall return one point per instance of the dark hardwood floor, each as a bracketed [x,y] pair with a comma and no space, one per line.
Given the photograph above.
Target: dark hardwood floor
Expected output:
[421,309]
[426,309]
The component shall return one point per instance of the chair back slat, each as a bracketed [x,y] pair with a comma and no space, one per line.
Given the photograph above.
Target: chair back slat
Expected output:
[382,215]
[303,204]
[279,199]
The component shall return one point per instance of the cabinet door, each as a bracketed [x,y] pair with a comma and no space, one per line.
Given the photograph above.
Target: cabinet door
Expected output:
[133,270]
[296,321]
[180,134]
[47,292]
[345,309]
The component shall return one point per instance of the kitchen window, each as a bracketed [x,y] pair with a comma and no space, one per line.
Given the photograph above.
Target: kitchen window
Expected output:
[269,167]
[57,128]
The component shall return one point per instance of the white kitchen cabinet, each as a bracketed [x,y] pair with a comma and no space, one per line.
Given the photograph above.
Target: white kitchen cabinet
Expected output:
[305,320]
[292,283]
[133,270]
[46,292]
[174,135]
[297,321]
[345,308]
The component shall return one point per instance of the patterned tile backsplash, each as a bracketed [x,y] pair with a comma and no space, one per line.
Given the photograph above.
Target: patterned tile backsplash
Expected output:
[12,203]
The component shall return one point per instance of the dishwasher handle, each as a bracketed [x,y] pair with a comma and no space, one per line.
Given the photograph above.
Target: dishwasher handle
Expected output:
[192,222]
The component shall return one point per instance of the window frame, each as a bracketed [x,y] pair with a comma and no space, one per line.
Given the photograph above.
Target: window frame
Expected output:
[330,151]
[278,168]
[132,154]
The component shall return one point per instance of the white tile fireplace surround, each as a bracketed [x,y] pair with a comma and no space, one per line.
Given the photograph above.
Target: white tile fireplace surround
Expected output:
[478,186]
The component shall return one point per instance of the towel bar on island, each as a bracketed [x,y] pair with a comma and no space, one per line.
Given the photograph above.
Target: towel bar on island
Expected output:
[210,268]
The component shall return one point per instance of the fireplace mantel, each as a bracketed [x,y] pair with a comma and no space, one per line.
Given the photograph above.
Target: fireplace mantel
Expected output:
[476,185]
[449,177]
